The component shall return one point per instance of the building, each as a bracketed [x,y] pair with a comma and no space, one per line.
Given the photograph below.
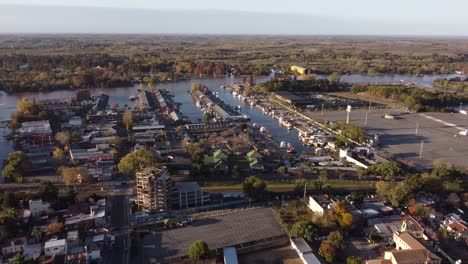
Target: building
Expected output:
[295,100]
[155,190]
[32,251]
[38,207]
[218,162]
[304,251]
[230,255]
[255,160]
[458,229]
[320,204]
[13,246]
[189,194]
[408,250]
[36,127]
[300,70]
[89,155]
[55,247]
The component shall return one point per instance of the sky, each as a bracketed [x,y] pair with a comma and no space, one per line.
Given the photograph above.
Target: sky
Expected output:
[303,17]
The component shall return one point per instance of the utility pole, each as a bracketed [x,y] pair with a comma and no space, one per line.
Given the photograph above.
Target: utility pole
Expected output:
[365,122]
[322,109]
[421,150]
[305,191]
[417,127]
[370,105]
[348,112]
[461,104]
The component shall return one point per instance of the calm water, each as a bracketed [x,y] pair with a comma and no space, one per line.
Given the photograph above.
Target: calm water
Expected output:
[179,90]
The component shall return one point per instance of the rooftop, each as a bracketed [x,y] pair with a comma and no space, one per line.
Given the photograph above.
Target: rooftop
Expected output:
[187,186]
[55,243]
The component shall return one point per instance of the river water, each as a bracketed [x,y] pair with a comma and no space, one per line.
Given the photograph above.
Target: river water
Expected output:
[179,90]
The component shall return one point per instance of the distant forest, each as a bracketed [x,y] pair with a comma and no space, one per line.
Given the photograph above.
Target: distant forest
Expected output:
[48,62]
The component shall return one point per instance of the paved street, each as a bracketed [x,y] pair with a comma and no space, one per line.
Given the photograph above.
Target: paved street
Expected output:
[119,215]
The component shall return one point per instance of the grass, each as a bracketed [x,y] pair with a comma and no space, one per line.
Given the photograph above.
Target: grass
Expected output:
[453,186]
[276,186]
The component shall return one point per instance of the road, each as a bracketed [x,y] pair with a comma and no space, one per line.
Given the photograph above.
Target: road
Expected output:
[119,219]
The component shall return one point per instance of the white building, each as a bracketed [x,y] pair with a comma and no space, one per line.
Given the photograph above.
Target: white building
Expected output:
[320,204]
[38,207]
[55,247]
[304,251]
[13,246]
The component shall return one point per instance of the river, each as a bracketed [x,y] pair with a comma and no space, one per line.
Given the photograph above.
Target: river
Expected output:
[179,90]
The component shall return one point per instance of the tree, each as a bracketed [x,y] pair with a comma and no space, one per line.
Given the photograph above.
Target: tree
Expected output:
[74,175]
[63,137]
[354,260]
[11,214]
[254,187]
[127,120]
[336,239]
[420,211]
[198,250]
[136,160]
[388,170]
[327,251]
[13,168]
[282,170]
[9,200]
[36,233]
[59,155]
[54,228]
[442,169]
[304,229]
[454,199]
[48,191]
[356,197]
[334,77]
[28,107]
[236,174]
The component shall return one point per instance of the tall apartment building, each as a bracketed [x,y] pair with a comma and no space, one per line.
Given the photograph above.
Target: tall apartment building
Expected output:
[155,190]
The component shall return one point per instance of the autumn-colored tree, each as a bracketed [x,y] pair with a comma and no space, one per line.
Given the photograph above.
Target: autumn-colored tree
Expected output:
[63,137]
[336,239]
[75,175]
[327,251]
[59,155]
[54,228]
[127,119]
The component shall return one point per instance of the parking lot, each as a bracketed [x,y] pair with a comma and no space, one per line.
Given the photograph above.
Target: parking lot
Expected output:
[438,131]
[238,228]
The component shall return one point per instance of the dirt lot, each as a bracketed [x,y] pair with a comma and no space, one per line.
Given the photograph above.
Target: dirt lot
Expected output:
[281,255]
[438,131]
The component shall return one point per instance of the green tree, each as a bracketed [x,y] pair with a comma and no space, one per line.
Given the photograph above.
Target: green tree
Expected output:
[334,77]
[13,169]
[36,233]
[48,191]
[304,229]
[254,187]
[354,260]
[282,170]
[127,120]
[388,170]
[9,200]
[236,174]
[11,214]
[327,251]
[198,250]
[336,239]
[136,160]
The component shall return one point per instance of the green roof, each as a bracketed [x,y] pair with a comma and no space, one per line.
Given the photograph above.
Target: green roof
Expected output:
[253,154]
[219,154]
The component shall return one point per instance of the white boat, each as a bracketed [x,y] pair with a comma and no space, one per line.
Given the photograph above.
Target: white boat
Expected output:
[234,93]
[282,144]
[198,104]
[252,103]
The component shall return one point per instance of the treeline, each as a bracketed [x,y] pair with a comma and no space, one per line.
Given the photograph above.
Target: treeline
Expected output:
[319,85]
[413,98]
[456,84]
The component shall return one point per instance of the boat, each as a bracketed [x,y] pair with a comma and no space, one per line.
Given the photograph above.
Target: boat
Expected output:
[234,93]
[252,103]
[198,104]
[290,148]
[282,144]
[132,98]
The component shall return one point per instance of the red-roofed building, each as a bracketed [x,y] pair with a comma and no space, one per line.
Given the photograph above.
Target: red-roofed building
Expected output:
[459,230]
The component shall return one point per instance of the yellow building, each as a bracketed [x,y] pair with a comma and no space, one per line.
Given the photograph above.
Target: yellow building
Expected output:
[300,70]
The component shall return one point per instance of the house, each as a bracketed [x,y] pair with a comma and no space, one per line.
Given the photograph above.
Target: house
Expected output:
[255,160]
[408,250]
[32,251]
[217,162]
[77,255]
[300,70]
[320,204]
[73,239]
[230,255]
[13,246]
[304,251]
[55,247]
[458,229]
[94,252]
[38,207]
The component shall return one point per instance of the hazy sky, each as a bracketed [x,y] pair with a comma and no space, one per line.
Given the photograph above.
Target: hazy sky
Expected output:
[405,17]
